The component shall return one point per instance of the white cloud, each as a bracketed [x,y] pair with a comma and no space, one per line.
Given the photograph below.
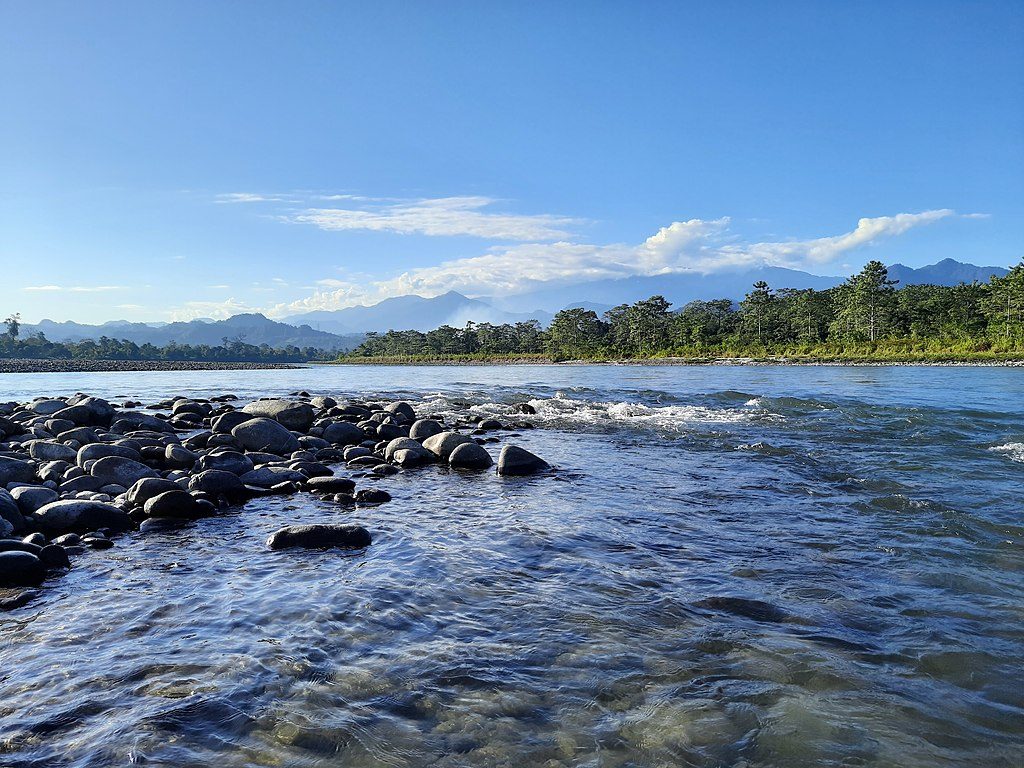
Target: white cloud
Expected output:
[439,217]
[218,310]
[696,245]
[249,197]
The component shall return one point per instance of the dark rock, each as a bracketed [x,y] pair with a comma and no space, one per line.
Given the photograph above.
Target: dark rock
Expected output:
[266,477]
[343,433]
[177,503]
[424,428]
[228,461]
[54,556]
[403,410]
[470,456]
[156,524]
[45,450]
[30,498]
[95,451]
[134,421]
[224,423]
[514,460]
[758,610]
[35,538]
[290,413]
[216,481]
[330,484]
[320,536]
[265,435]
[119,470]
[524,408]
[179,457]
[11,512]
[145,489]
[97,542]
[21,569]
[372,496]
[81,515]
[15,471]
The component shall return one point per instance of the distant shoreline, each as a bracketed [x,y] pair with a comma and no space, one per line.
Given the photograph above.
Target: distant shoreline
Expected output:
[22,365]
[688,361]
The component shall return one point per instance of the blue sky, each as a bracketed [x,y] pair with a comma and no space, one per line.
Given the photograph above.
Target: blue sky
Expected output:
[177,160]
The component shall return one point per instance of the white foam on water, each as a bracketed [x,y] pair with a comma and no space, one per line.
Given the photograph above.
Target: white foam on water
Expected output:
[564,410]
[1013,451]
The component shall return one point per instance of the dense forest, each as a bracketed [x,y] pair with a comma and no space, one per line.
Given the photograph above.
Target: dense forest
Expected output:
[867,317]
[38,347]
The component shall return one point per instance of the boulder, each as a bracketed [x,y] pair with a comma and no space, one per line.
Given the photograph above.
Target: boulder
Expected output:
[145,489]
[81,483]
[514,460]
[223,424]
[229,461]
[81,515]
[21,569]
[331,484]
[403,410]
[215,481]
[95,451]
[45,450]
[54,556]
[47,407]
[133,421]
[290,413]
[424,428]
[408,458]
[30,498]
[320,536]
[120,471]
[265,435]
[372,496]
[15,471]
[470,456]
[407,444]
[179,457]
[177,503]
[443,443]
[343,433]
[267,477]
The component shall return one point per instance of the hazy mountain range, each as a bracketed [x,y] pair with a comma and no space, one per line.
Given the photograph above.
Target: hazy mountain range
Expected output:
[343,329]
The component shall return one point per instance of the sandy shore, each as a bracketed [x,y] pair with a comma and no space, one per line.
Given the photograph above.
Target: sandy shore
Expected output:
[90,366]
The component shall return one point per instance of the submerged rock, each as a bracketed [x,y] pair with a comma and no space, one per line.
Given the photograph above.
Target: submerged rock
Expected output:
[21,569]
[320,536]
[514,460]
[470,456]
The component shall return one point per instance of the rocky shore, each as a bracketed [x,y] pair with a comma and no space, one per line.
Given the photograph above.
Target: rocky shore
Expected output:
[22,365]
[76,473]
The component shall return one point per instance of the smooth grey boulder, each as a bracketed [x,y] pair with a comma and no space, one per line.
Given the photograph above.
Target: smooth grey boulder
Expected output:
[406,444]
[443,443]
[47,407]
[176,503]
[343,433]
[261,434]
[148,487]
[402,410]
[179,457]
[514,460]
[21,569]
[229,461]
[223,424]
[290,413]
[15,471]
[30,498]
[81,415]
[424,428]
[470,456]
[120,471]
[267,477]
[323,402]
[133,421]
[80,435]
[320,536]
[157,524]
[79,515]
[216,481]
[408,458]
[44,450]
[95,451]
[81,483]
[330,484]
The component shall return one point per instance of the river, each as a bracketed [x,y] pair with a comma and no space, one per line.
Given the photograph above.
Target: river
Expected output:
[731,566]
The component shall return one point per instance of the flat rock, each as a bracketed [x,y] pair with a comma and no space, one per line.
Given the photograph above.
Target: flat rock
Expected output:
[320,536]
[81,515]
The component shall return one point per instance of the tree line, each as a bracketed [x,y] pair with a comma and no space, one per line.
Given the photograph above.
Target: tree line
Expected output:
[867,314]
[38,347]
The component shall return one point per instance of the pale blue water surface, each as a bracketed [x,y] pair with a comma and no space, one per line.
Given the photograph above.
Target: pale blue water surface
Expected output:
[869,520]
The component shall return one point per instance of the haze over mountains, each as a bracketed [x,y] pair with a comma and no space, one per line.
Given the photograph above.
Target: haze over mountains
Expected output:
[343,329]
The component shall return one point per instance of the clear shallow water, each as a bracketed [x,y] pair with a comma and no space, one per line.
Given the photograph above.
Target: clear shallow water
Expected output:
[733,566]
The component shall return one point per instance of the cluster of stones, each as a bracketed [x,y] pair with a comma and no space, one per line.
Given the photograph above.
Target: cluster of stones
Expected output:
[76,471]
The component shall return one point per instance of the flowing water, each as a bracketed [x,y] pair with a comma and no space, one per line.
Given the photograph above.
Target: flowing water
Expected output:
[772,566]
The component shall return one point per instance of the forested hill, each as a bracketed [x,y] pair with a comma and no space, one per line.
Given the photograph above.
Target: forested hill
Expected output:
[868,315]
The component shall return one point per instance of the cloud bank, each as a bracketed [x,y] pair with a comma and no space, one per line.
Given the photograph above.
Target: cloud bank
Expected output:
[698,245]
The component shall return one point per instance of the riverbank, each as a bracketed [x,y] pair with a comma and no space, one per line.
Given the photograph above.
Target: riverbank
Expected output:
[22,365]
[852,360]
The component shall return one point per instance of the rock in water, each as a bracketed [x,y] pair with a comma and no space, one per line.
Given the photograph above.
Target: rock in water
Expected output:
[343,433]
[290,413]
[514,460]
[21,569]
[470,456]
[320,536]
[424,428]
[81,515]
[177,503]
[443,443]
[265,435]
